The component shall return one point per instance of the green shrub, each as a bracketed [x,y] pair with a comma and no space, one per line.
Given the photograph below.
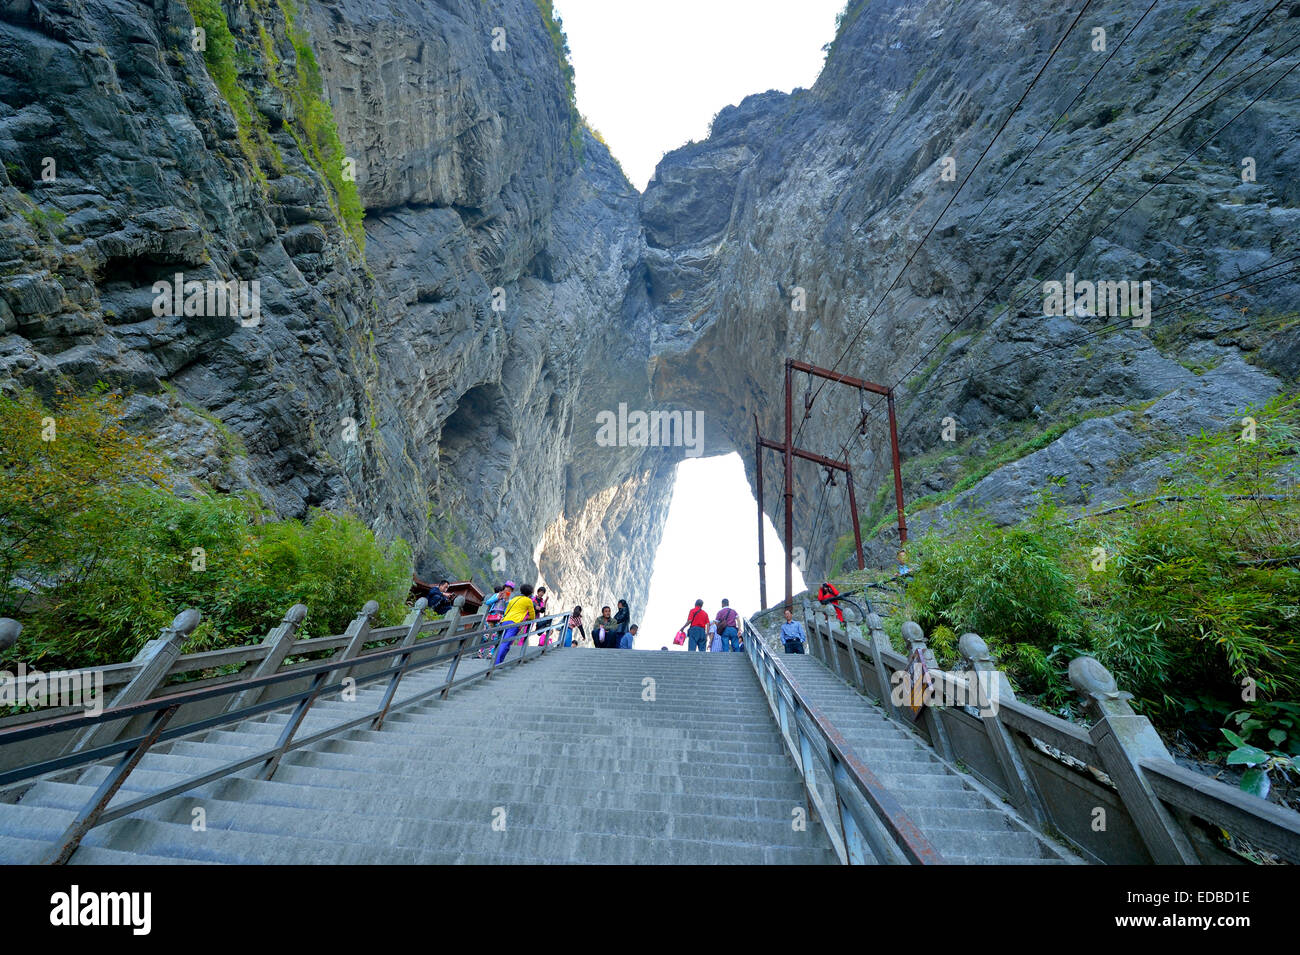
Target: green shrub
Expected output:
[1193,604]
[116,559]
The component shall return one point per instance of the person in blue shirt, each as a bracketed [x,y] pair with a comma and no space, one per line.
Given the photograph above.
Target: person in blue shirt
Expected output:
[439,599]
[792,634]
[626,641]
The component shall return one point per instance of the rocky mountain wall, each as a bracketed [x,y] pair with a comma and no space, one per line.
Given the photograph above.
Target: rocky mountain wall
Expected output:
[431,381]
[831,189]
[442,365]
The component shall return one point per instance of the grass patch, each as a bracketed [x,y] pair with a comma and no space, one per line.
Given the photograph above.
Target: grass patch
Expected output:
[320,140]
[48,222]
[224,59]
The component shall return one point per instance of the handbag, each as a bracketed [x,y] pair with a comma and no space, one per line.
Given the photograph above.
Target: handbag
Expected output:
[680,638]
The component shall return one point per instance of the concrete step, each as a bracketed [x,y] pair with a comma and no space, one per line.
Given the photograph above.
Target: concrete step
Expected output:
[589,787]
[982,842]
[631,762]
[961,822]
[584,769]
[16,851]
[407,821]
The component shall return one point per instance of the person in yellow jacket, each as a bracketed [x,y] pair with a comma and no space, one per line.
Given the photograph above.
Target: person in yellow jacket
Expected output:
[518,612]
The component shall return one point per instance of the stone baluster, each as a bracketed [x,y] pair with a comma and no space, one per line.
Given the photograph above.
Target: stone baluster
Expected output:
[992,688]
[278,643]
[1123,738]
[10,631]
[453,623]
[815,647]
[914,637]
[877,641]
[853,639]
[357,632]
[153,663]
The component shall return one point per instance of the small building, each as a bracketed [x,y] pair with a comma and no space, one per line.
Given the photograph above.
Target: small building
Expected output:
[466,588]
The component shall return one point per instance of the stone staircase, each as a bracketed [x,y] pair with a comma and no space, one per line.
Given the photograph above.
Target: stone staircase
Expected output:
[964,821]
[578,757]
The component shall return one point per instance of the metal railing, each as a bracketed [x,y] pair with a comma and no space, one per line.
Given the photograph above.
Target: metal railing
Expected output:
[326,678]
[1060,776]
[864,821]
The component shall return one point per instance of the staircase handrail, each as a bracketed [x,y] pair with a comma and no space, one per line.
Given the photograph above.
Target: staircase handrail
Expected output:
[862,817]
[131,750]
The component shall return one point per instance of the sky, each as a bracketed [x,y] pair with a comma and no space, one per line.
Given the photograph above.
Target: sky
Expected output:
[651,74]
[710,493]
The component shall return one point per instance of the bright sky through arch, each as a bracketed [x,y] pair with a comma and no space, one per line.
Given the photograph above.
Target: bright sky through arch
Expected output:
[711,498]
[651,74]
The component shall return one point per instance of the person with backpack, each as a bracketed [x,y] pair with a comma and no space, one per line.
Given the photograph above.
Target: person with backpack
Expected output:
[628,639]
[494,608]
[827,592]
[518,612]
[714,638]
[602,630]
[539,604]
[574,626]
[696,622]
[728,622]
[490,601]
[792,634]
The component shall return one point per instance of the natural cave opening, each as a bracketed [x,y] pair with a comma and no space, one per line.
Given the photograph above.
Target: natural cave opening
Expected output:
[477,439]
[711,499]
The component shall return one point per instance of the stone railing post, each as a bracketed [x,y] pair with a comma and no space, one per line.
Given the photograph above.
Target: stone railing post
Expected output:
[415,626]
[830,656]
[278,643]
[10,631]
[853,637]
[914,637]
[814,636]
[453,621]
[1123,738]
[356,633]
[993,688]
[878,640]
[153,661]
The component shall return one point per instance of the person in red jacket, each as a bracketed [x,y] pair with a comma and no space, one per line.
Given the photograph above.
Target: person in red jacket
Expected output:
[697,623]
[828,590]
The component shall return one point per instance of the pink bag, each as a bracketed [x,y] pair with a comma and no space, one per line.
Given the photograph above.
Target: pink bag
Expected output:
[680,638]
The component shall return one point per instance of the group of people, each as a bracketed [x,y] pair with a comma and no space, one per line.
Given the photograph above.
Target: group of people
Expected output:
[719,635]
[615,632]
[515,611]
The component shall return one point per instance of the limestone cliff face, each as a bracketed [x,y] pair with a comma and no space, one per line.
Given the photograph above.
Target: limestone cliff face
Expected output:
[443,372]
[433,382]
[831,189]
